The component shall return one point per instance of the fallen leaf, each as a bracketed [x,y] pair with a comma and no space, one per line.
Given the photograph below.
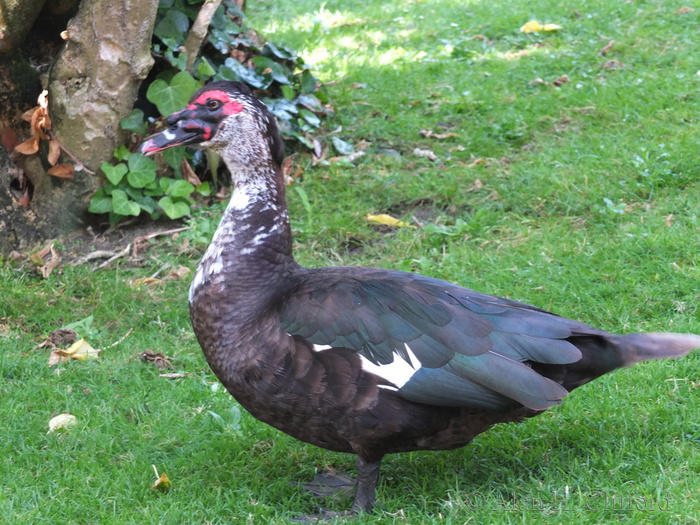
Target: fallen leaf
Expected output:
[61,421]
[47,259]
[684,10]
[144,280]
[429,133]
[428,154]
[159,359]
[162,483]
[517,54]
[388,220]
[538,82]
[62,171]
[669,220]
[80,350]
[179,273]
[60,337]
[613,64]
[534,26]
[606,48]
[561,80]
[476,185]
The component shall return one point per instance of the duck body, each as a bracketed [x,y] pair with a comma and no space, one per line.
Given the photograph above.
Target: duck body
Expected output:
[363,360]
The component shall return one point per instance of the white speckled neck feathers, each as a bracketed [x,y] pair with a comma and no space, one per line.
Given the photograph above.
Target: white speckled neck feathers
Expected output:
[252,245]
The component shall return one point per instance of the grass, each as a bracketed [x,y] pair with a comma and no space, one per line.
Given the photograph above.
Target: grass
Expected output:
[586,203]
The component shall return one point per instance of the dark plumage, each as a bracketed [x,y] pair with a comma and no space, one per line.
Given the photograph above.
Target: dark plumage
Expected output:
[364,360]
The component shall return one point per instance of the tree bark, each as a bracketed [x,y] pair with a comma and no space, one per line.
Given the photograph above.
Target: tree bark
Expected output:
[93,84]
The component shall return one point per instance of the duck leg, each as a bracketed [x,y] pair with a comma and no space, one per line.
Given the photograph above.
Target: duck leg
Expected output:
[367,477]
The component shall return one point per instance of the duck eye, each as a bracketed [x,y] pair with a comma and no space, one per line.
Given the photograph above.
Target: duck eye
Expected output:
[213,104]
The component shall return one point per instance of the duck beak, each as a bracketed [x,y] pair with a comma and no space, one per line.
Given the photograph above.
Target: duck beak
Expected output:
[184,129]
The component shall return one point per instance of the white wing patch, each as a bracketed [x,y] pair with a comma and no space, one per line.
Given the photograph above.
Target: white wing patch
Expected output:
[398,372]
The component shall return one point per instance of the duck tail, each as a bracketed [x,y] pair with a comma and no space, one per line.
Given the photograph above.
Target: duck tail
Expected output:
[655,345]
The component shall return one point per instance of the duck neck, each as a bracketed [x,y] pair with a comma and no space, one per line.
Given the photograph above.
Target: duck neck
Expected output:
[251,250]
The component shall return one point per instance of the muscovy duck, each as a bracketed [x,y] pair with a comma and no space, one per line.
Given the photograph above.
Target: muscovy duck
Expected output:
[363,360]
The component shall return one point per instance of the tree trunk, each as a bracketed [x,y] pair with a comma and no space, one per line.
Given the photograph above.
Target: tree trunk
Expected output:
[93,84]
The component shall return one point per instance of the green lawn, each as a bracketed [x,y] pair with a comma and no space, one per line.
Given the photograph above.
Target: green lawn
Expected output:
[582,198]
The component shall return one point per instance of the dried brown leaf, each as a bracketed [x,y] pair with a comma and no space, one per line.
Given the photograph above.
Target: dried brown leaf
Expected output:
[476,185]
[159,359]
[27,115]
[51,263]
[613,64]
[28,147]
[564,79]
[179,273]
[606,48]
[62,171]
[188,173]
[54,152]
[58,338]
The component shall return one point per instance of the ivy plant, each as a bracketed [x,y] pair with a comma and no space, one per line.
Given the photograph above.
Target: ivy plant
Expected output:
[231,52]
[133,188]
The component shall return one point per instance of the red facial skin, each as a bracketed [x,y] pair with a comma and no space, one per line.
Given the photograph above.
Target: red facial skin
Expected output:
[230,107]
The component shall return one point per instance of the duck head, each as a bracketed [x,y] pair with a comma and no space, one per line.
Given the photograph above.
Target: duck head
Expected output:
[226,118]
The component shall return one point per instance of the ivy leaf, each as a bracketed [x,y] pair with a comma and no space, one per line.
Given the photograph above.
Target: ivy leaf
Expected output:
[173,25]
[308,82]
[205,70]
[234,70]
[142,170]
[283,52]
[121,153]
[122,205]
[180,188]
[312,103]
[277,71]
[100,202]
[114,174]
[173,156]
[342,147]
[174,209]
[173,96]
[204,189]
[134,122]
[311,118]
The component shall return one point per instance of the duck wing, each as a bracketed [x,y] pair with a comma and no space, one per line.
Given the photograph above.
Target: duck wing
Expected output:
[431,341]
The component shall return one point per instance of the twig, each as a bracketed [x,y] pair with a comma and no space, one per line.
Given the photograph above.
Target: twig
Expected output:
[120,340]
[97,254]
[198,32]
[156,234]
[161,270]
[116,256]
